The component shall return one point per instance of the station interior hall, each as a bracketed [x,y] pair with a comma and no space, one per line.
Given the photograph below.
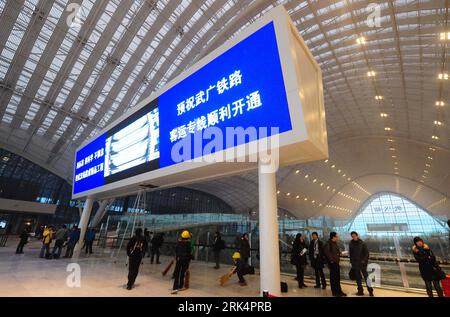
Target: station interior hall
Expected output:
[72,70]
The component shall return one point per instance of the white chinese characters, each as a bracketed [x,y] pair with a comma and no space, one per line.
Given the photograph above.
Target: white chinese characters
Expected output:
[222,85]
[233,110]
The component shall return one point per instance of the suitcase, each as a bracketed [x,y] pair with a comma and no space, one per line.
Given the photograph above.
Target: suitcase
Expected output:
[446,286]
[251,270]
[284,287]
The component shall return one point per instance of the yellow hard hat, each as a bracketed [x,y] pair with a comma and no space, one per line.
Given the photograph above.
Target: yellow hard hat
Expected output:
[236,255]
[185,234]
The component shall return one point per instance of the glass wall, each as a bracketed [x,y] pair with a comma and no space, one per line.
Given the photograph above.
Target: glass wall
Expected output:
[21,179]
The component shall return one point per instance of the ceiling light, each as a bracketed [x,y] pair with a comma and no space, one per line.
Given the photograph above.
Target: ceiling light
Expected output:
[333,166]
[423,176]
[436,122]
[297,171]
[427,165]
[425,171]
[443,76]
[306,176]
[297,196]
[378,97]
[387,129]
[435,137]
[396,163]
[339,171]
[394,156]
[349,179]
[288,194]
[383,115]
[278,191]
[344,175]
[430,158]
[392,149]
[328,187]
[432,149]
[440,103]
[396,168]
[371,73]
[444,36]
[326,161]
[306,199]
[361,40]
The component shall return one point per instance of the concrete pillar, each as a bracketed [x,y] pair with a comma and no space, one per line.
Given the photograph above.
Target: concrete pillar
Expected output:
[84,223]
[268,232]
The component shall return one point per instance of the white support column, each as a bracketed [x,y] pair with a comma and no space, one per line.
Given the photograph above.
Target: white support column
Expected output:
[268,232]
[84,223]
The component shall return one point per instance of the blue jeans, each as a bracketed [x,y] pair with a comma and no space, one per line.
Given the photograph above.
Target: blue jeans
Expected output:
[45,250]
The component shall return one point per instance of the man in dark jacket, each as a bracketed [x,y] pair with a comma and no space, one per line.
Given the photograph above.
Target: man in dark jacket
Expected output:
[74,236]
[60,237]
[183,257]
[299,252]
[218,246]
[317,258]
[427,266]
[157,241]
[244,249]
[23,240]
[333,254]
[135,250]
[359,258]
[89,240]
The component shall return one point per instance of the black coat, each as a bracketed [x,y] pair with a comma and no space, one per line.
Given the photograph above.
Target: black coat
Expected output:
[244,249]
[332,252]
[297,249]
[320,260]
[427,262]
[218,244]
[136,247]
[183,250]
[359,254]
[157,241]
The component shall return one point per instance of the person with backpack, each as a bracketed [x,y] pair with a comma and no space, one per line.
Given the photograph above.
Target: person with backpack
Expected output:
[46,241]
[333,254]
[317,258]
[157,242]
[359,259]
[299,253]
[23,240]
[429,269]
[135,250]
[218,246]
[183,257]
[60,237]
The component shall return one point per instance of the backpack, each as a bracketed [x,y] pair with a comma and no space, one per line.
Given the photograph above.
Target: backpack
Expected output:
[138,246]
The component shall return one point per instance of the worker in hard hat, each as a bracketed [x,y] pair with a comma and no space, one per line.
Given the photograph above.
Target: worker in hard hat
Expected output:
[183,257]
[241,268]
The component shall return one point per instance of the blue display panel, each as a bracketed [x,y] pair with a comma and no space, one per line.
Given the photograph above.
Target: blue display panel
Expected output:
[90,166]
[243,87]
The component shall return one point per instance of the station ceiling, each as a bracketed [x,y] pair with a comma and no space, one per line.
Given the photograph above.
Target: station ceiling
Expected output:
[385,71]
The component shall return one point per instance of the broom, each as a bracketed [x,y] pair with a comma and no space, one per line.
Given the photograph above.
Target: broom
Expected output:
[225,278]
[167,268]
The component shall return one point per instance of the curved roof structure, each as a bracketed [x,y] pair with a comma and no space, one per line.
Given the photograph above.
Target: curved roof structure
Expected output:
[68,69]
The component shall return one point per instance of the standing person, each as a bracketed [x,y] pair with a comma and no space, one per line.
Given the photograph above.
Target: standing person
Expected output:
[317,258]
[148,240]
[244,249]
[218,246]
[299,252]
[89,240]
[429,268]
[60,237]
[183,257]
[157,241]
[333,254]
[74,236]
[135,250]
[23,240]
[46,241]
[359,258]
